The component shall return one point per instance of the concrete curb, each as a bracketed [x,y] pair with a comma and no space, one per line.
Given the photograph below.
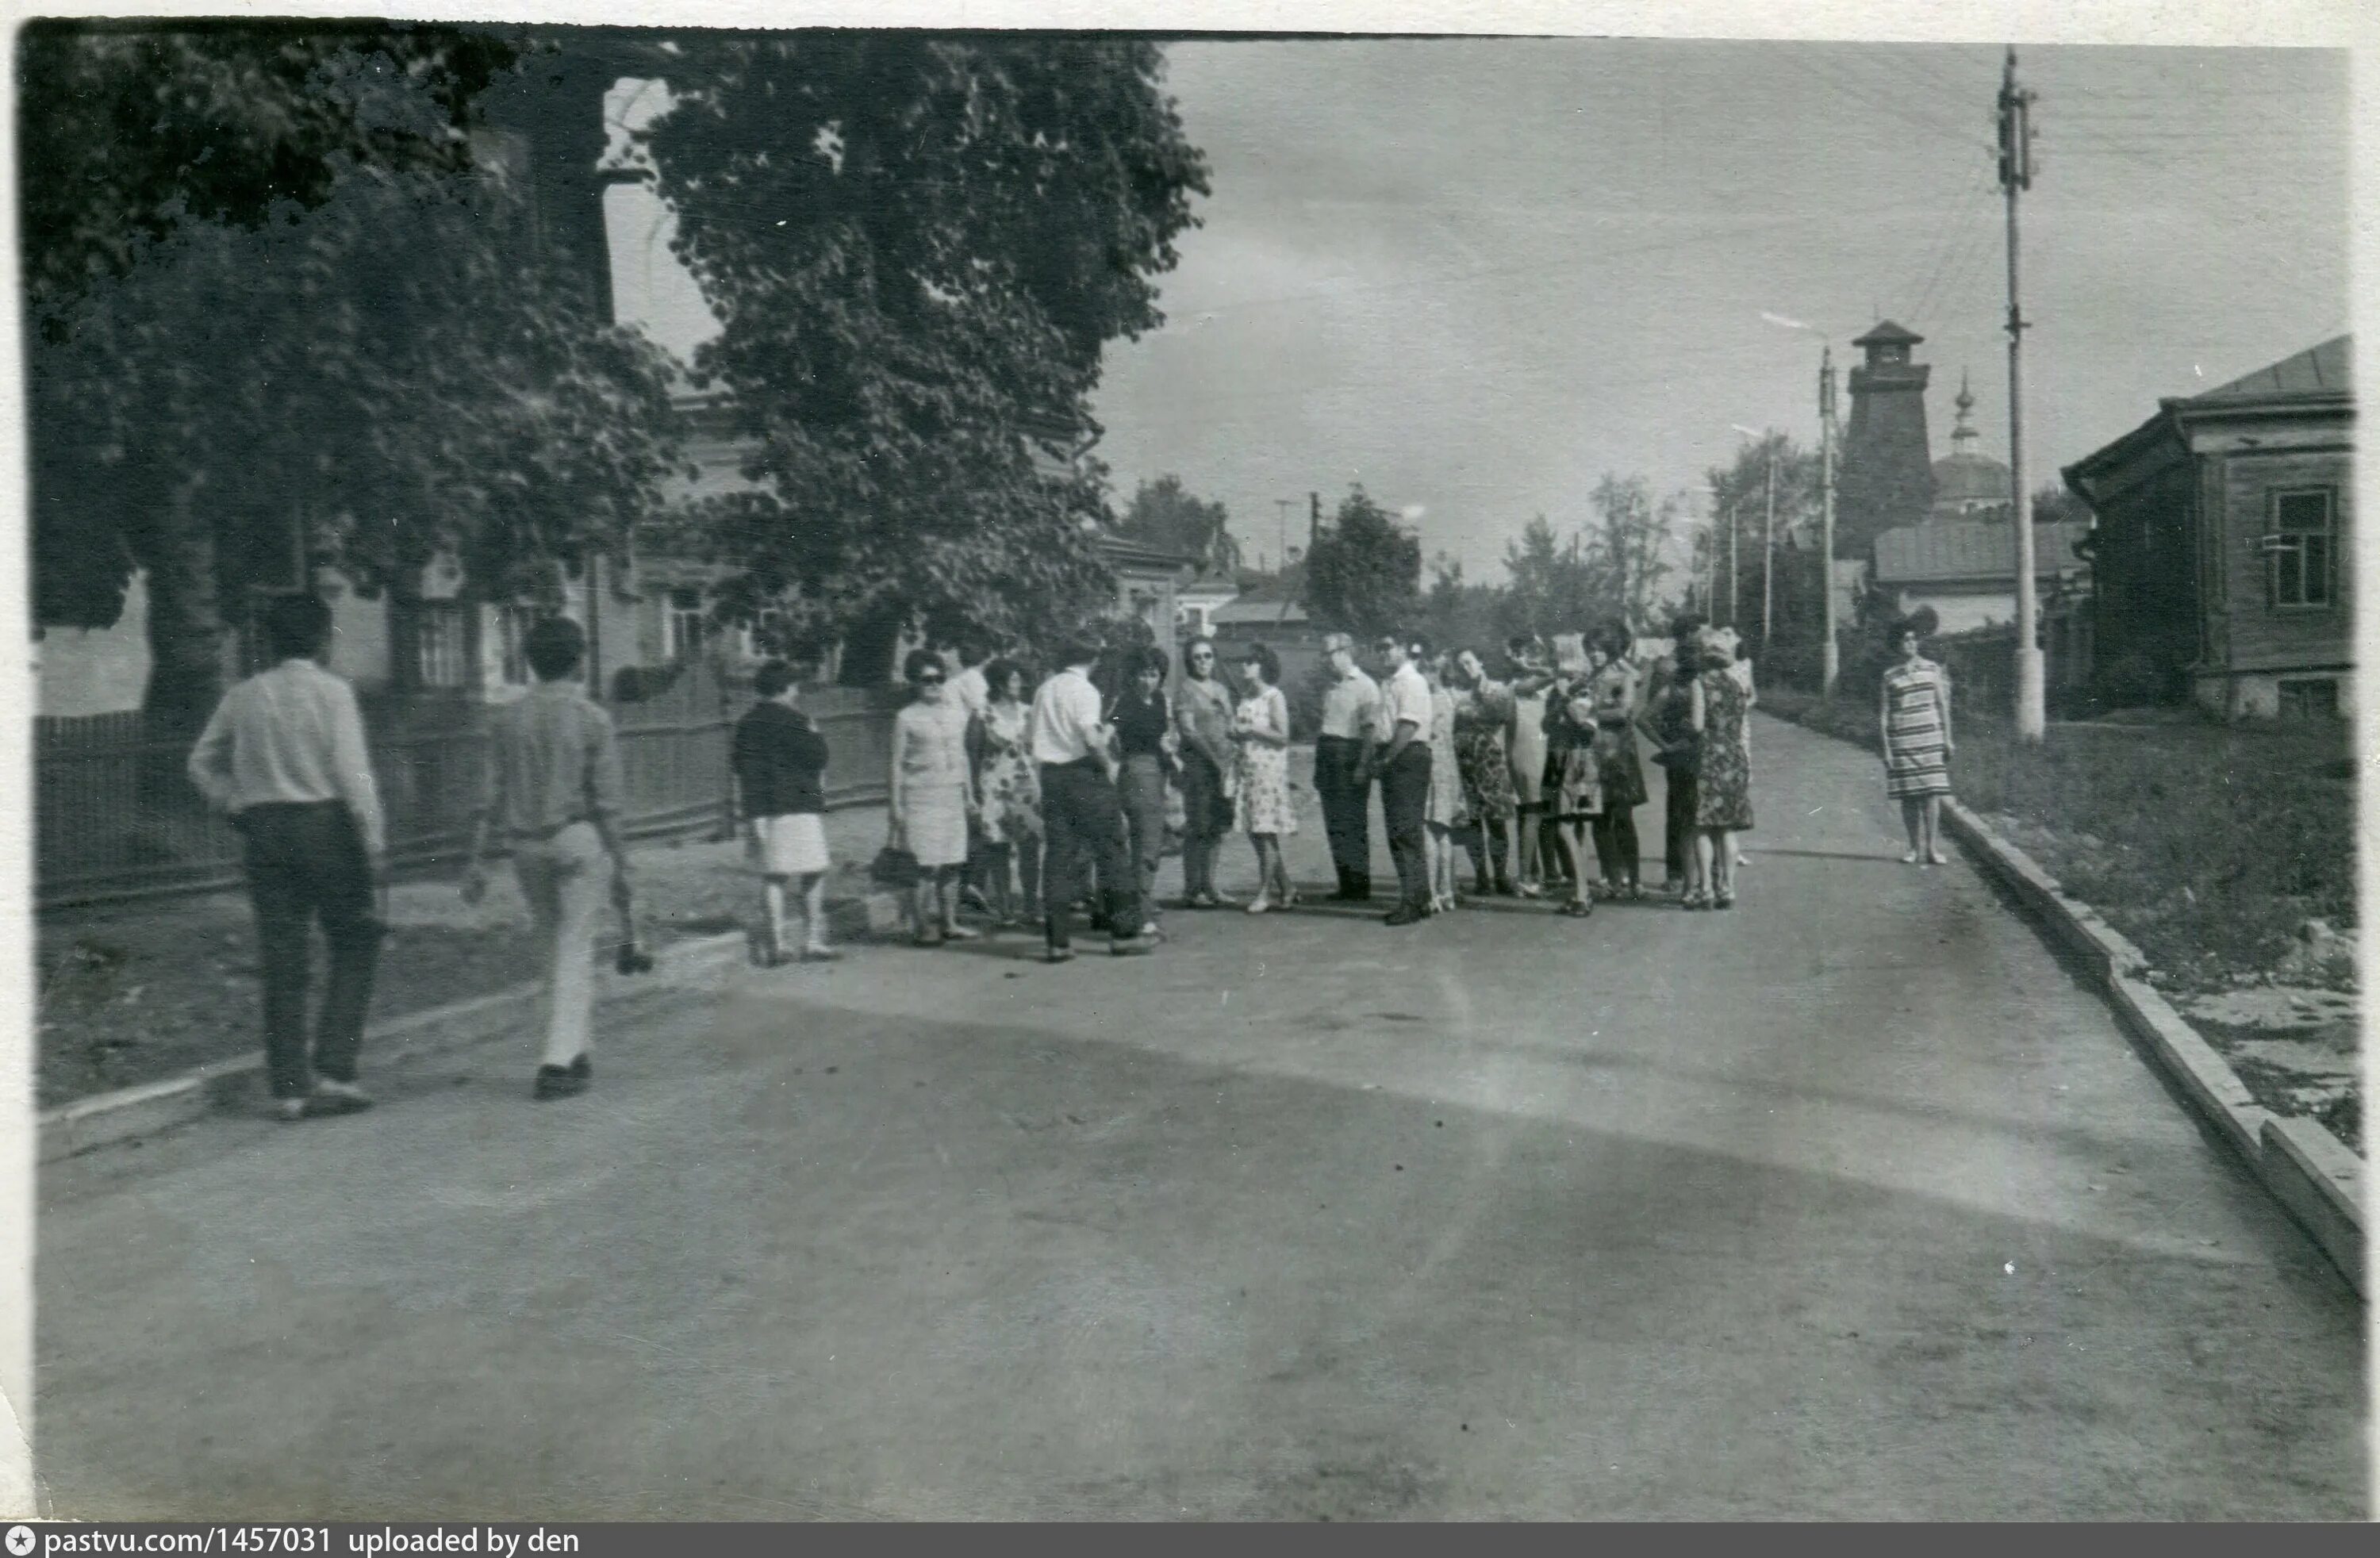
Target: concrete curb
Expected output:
[2317,1177]
[108,1119]
[2312,1173]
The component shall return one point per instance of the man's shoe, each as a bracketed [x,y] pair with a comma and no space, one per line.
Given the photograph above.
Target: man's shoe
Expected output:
[818,951]
[1403,913]
[561,1081]
[332,1096]
[289,1109]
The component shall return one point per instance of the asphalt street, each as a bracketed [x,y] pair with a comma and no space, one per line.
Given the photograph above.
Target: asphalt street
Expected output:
[1849,1202]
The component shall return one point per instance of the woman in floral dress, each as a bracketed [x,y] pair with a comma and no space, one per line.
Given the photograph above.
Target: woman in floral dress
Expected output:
[1618,684]
[1914,713]
[1011,788]
[1446,809]
[1723,782]
[1574,787]
[1483,716]
[1260,776]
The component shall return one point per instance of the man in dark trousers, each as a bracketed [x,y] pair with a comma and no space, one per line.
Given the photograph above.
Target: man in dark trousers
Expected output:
[1340,751]
[1080,815]
[1403,769]
[285,755]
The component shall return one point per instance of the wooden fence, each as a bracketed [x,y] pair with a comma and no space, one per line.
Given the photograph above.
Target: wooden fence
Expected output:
[115,821]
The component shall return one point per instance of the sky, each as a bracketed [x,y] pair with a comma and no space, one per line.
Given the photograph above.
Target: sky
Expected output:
[1476,274]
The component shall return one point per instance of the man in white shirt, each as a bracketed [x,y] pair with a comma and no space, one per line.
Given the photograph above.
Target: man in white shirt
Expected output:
[285,755]
[1403,768]
[1080,813]
[1348,709]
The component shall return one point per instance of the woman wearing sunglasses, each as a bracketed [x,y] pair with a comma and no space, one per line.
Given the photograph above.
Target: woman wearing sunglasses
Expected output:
[933,796]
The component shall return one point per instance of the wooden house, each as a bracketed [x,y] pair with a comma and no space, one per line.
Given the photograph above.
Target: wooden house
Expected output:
[2222,554]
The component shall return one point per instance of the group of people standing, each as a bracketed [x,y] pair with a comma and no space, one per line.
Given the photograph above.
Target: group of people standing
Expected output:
[1525,770]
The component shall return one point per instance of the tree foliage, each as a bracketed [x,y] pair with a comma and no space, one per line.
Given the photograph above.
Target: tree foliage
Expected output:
[1363,574]
[917,248]
[1166,515]
[222,381]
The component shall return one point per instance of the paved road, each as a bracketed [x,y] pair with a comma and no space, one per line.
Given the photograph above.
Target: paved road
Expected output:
[1846,1203]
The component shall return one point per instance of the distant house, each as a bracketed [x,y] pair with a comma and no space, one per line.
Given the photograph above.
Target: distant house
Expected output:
[1149,587]
[1273,618]
[1965,569]
[1196,603]
[2223,555]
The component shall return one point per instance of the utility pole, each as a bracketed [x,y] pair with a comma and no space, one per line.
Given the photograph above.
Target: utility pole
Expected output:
[1768,552]
[1313,521]
[1829,657]
[1734,587]
[2016,173]
[1284,505]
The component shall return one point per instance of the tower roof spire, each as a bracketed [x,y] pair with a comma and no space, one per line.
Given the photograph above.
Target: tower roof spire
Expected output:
[1961,434]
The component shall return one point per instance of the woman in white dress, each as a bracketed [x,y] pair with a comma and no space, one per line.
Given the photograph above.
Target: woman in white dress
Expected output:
[1260,776]
[1447,809]
[933,796]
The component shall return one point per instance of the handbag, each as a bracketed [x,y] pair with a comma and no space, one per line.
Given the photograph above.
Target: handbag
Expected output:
[893,865]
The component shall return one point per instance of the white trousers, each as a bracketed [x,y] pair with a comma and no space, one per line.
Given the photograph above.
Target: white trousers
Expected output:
[567,878]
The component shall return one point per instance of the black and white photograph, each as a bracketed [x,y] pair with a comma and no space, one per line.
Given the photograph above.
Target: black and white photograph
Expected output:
[1489,767]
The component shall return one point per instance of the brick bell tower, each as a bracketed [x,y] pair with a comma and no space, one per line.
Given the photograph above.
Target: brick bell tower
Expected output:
[1888,475]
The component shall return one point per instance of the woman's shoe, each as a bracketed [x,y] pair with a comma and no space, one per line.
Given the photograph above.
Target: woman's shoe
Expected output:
[1259,903]
[956,933]
[1578,908]
[928,935]
[1940,859]
[1910,858]
[1723,900]
[1529,890]
[1695,898]
[818,951]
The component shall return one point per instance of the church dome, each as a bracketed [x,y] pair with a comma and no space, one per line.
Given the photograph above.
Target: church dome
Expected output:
[1967,480]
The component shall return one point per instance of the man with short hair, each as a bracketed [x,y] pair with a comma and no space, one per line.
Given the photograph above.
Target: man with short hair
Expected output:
[779,759]
[284,753]
[1344,746]
[555,792]
[1069,739]
[1402,765]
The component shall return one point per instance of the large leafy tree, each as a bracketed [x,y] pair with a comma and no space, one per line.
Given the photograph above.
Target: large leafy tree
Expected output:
[1363,574]
[917,248]
[1741,506]
[1165,514]
[283,308]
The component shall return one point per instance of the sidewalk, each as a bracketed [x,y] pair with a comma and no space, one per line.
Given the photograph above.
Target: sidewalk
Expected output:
[136,992]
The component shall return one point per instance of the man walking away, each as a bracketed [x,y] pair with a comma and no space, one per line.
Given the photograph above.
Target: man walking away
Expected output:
[284,753]
[1341,755]
[779,761]
[1403,769]
[1080,814]
[555,793]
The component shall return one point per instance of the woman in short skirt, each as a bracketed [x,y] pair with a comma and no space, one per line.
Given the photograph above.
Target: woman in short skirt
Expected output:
[1915,714]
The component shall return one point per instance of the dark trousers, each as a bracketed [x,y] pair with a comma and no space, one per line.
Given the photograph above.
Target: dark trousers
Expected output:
[1615,850]
[1346,810]
[1404,797]
[1678,824]
[306,862]
[1084,824]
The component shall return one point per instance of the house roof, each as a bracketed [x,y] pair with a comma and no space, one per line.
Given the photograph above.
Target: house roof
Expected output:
[1971,551]
[1138,557]
[2327,369]
[1888,334]
[1262,609]
[2319,379]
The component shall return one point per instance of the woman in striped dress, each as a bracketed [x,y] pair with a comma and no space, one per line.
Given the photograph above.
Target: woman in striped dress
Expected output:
[1914,713]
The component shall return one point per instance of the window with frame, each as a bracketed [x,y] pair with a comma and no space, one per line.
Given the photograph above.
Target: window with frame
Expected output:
[685,623]
[2301,561]
[512,643]
[440,644]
